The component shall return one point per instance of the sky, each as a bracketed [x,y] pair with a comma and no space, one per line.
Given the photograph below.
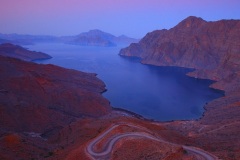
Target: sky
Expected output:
[133,18]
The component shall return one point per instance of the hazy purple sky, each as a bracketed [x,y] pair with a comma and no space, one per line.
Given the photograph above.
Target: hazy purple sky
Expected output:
[130,17]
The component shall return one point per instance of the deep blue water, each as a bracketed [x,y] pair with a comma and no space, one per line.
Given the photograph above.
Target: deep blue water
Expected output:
[159,93]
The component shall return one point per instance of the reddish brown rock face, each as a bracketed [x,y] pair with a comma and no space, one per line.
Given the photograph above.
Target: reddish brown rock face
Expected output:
[193,43]
[38,101]
[41,98]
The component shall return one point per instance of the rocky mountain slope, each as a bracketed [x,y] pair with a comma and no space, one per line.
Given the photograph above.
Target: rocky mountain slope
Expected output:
[213,49]
[15,51]
[193,43]
[37,101]
[38,97]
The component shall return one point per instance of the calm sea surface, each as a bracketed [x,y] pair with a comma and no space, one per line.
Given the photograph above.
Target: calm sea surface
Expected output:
[159,93]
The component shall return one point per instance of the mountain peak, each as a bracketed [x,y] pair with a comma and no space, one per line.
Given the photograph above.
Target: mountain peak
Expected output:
[193,18]
[95,31]
[191,22]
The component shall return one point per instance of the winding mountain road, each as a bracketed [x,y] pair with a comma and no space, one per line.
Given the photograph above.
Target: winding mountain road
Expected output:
[111,142]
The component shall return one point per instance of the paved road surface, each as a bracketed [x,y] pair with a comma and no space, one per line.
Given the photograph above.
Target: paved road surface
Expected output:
[107,150]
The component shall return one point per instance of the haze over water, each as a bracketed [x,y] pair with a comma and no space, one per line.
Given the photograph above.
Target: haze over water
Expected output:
[159,93]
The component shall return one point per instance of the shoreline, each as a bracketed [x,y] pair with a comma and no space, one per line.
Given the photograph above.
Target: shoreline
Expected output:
[184,70]
[222,92]
[140,117]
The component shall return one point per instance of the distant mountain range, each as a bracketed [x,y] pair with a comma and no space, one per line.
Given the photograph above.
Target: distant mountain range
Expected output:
[90,38]
[23,39]
[97,38]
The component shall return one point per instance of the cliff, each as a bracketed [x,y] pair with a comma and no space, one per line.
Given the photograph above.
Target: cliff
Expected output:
[193,43]
[15,51]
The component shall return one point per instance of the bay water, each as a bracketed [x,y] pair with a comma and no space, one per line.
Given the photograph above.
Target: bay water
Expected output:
[158,93]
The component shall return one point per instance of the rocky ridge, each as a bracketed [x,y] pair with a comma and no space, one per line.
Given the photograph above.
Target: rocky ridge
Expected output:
[45,90]
[37,101]
[15,51]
